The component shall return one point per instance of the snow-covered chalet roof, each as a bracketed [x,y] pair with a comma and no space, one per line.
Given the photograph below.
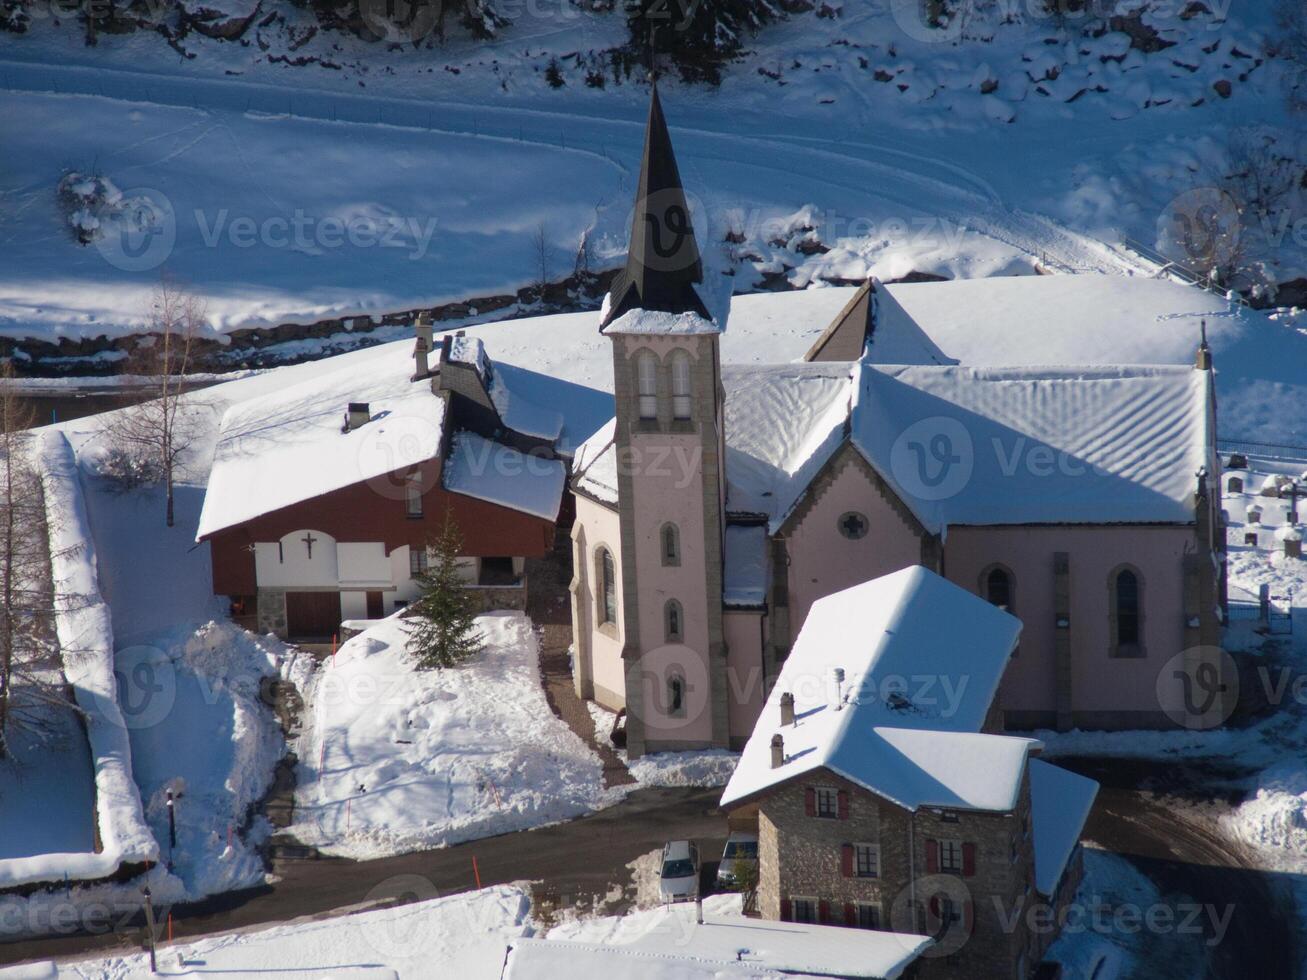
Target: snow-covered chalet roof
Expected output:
[287,446]
[914,744]
[730,947]
[1037,445]
[1060,802]
[487,470]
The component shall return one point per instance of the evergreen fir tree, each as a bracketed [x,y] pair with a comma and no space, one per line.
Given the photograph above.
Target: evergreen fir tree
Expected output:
[442,625]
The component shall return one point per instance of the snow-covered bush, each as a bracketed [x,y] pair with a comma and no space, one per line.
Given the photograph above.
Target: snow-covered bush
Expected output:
[124,469]
[90,201]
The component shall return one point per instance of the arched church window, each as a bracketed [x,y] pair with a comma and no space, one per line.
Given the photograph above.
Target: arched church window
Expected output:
[671,545]
[1126,596]
[646,371]
[681,385]
[998,588]
[607,587]
[676,695]
[673,622]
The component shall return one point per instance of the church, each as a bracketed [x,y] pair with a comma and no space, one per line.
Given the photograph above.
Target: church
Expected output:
[720,503]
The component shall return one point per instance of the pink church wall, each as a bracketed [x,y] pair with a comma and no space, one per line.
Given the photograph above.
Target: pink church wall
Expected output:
[822,560]
[1101,684]
[600,529]
[667,486]
[744,669]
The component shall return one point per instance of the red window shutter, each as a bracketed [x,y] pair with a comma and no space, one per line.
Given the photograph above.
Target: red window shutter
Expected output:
[968,860]
[932,857]
[823,911]
[843,799]
[968,916]
[846,860]
[786,913]
[810,801]
[850,914]
[934,906]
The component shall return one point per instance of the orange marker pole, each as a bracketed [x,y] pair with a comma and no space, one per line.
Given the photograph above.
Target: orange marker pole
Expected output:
[170,926]
[476,871]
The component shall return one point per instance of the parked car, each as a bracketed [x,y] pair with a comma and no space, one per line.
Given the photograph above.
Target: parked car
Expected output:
[679,877]
[741,853]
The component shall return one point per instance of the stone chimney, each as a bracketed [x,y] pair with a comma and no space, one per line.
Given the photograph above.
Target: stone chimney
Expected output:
[422,347]
[1203,362]
[787,708]
[777,751]
[356,415]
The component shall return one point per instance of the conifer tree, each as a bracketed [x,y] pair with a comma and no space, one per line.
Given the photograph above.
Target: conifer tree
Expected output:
[442,621]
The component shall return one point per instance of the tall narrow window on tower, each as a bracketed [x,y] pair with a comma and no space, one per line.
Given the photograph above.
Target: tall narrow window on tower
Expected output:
[681,385]
[646,369]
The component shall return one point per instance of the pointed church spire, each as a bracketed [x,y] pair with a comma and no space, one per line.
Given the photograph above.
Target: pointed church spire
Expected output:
[663,264]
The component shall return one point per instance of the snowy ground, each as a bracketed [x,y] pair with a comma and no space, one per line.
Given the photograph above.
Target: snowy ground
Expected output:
[712,767]
[414,185]
[465,934]
[397,759]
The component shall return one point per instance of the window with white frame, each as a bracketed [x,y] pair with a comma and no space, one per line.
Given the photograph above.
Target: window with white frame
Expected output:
[828,802]
[866,860]
[681,399]
[646,372]
[804,909]
[950,856]
[418,563]
[868,916]
[413,495]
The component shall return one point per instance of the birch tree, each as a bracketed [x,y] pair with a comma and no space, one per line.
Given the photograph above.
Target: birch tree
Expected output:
[31,676]
[155,436]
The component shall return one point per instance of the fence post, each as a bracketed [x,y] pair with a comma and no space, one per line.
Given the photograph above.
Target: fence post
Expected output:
[1264,603]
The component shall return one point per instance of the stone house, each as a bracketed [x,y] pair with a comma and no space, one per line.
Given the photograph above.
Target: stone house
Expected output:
[720,503]
[880,801]
[324,495]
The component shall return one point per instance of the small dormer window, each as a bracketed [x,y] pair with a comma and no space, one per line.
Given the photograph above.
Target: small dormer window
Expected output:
[681,400]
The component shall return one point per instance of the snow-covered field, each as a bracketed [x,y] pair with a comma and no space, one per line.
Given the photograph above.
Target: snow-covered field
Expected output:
[710,767]
[461,936]
[412,185]
[396,759]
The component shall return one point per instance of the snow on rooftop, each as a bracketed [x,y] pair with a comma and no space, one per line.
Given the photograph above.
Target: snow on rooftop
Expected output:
[656,322]
[521,414]
[1061,319]
[782,423]
[1060,802]
[287,446]
[471,351]
[1037,445]
[745,576]
[922,660]
[671,944]
[595,464]
[490,471]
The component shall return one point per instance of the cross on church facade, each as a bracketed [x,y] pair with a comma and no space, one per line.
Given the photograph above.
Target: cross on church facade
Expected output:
[308,540]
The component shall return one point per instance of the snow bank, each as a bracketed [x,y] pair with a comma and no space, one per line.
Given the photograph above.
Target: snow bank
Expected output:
[396,759]
[466,935]
[85,635]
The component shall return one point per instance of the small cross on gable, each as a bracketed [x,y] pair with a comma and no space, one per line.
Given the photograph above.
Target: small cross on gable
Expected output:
[308,540]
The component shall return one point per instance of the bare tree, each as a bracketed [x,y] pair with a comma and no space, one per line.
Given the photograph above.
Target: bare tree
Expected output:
[156,435]
[31,678]
[542,253]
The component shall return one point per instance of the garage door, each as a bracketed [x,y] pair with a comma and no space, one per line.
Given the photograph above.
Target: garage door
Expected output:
[312,615]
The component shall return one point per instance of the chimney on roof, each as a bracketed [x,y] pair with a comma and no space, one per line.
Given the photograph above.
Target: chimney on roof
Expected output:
[837,680]
[787,708]
[422,348]
[356,415]
[777,751]
[1204,360]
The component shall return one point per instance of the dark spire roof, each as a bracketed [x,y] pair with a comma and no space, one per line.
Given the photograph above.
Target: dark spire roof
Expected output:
[663,262]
